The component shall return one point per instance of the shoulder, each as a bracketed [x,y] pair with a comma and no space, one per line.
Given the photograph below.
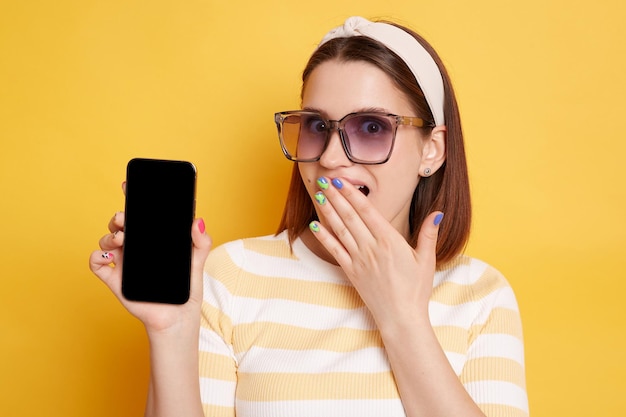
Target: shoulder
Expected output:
[239,253]
[465,270]
[467,279]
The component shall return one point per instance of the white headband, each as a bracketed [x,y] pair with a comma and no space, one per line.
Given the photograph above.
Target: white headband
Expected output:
[406,47]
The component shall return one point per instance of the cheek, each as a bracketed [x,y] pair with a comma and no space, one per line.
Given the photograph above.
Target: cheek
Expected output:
[308,177]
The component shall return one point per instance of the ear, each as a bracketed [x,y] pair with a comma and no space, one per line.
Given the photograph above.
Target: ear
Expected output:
[433,152]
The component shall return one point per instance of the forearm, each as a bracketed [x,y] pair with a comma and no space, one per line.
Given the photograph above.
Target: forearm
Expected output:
[427,383]
[174,382]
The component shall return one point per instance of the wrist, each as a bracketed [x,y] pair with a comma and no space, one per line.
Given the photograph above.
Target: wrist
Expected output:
[409,322]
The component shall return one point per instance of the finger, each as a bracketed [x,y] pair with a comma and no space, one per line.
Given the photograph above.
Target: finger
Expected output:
[112,241]
[357,213]
[102,264]
[331,244]
[426,249]
[201,247]
[340,217]
[117,222]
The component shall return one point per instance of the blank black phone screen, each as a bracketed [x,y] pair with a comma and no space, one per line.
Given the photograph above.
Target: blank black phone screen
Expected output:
[160,205]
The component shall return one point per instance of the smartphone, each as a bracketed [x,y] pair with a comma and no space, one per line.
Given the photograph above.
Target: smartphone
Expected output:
[160,208]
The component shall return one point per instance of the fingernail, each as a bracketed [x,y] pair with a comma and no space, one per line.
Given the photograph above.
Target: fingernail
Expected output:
[201,226]
[314,226]
[107,255]
[337,183]
[322,183]
[320,197]
[438,219]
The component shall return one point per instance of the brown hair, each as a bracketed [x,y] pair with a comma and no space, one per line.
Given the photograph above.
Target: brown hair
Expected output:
[446,190]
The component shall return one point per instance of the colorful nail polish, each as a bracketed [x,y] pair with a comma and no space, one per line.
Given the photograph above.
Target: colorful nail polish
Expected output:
[201,225]
[337,183]
[320,197]
[314,226]
[322,183]
[107,255]
[438,219]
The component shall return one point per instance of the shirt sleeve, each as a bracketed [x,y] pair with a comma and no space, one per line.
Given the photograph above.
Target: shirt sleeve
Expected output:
[494,374]
[217,362]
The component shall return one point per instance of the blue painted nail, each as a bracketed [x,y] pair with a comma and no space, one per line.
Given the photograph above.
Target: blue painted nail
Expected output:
[337,183]
[320,197]
[314,226]
[438,219]
[322,183]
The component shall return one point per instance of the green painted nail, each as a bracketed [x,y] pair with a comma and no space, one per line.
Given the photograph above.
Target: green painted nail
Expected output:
[314,226]
[320,197]
[322,183]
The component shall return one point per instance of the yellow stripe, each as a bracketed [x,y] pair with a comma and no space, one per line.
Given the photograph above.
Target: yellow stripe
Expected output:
[246,284]
[328,386]
[500,321]
[502,410]
[218,411]
[282,336]
[217,367]
[214,319]
[221,267]
[309,292]
[452,293]
[274,248]
[452,338]
[498,369]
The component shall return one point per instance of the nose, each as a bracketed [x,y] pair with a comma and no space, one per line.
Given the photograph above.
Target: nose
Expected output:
[334,155]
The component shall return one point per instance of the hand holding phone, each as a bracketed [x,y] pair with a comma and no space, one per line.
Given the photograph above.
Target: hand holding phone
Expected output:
[160,206]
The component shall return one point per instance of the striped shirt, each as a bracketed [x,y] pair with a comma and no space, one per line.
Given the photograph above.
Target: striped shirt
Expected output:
[285,334]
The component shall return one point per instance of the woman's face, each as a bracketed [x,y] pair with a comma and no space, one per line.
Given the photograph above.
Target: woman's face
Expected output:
[336,89]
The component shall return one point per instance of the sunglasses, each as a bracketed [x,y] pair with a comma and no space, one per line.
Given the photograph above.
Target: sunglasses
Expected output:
[366,137]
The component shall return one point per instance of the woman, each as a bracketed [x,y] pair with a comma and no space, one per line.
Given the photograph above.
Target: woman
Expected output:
[362,304]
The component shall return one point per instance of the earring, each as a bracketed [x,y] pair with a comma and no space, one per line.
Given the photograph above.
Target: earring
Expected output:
[426,172]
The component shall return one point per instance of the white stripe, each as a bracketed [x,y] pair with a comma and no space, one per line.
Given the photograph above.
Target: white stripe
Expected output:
[473,312]
[498,346]
[460,315]
[257,359]
[498,392]
[295,269]
[318,408]
[215,293]
[506,299]
[503,298]
[293,313]
[212,342]
[462,274]
[217,392]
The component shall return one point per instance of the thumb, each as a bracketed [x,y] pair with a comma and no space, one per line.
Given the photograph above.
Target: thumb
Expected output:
[426,249]
[201,246]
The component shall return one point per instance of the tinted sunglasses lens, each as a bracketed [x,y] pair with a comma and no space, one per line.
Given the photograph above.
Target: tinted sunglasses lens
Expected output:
[304,136]
[369,137]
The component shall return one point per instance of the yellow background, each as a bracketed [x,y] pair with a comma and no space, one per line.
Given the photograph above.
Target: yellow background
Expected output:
[86,85]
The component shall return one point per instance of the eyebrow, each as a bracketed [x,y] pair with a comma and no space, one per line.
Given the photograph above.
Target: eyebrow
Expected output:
[361,110]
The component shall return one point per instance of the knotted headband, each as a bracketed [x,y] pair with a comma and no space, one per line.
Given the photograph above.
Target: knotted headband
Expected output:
[406,47]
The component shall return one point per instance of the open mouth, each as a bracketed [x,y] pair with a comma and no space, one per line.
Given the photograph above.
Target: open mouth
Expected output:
[364,189]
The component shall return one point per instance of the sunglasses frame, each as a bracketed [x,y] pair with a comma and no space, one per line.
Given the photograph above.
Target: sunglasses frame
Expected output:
[338,125]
